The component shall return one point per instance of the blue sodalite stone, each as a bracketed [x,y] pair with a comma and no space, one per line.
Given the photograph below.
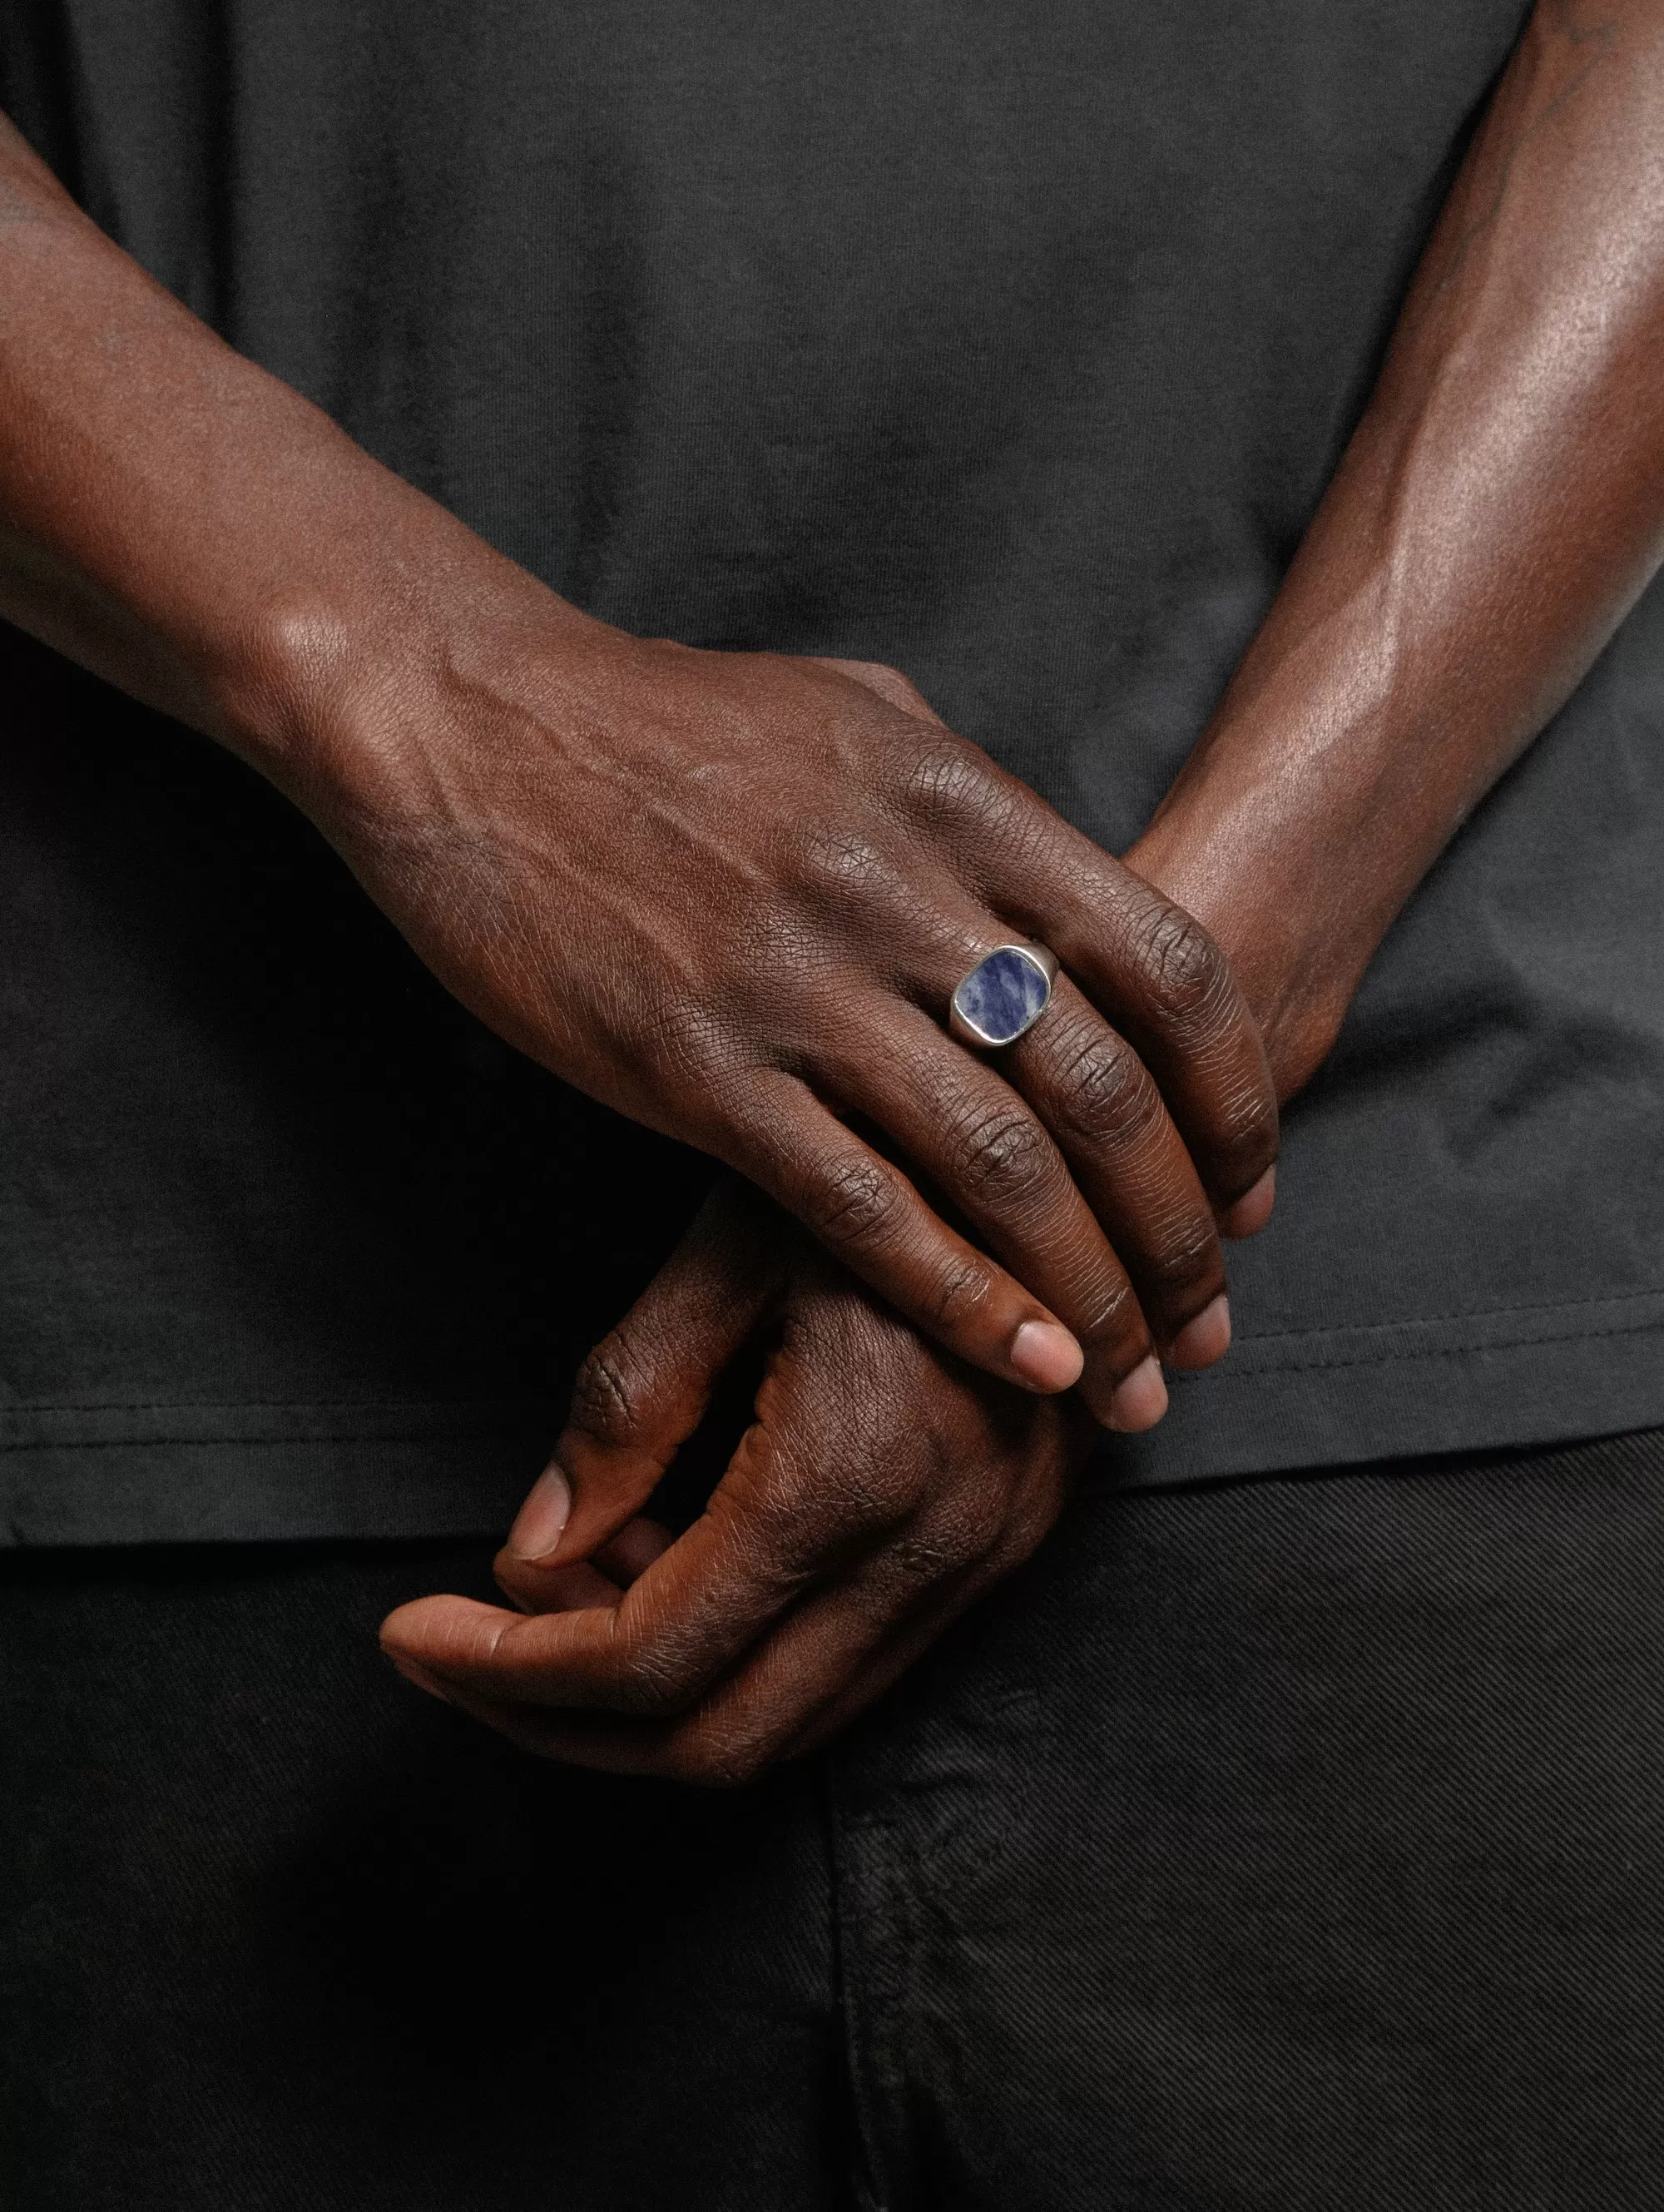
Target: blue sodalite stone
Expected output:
[1003,995]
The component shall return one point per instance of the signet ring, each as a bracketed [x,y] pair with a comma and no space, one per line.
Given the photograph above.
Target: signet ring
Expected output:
[1002,996]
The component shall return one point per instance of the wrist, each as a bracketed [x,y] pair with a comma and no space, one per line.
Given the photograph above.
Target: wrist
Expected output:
[355,690]
[1320,791]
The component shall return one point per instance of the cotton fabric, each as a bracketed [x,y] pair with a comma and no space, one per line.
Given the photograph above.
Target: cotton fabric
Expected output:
[1011,343]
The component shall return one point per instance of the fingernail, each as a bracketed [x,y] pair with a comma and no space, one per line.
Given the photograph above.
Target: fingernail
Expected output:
[538,1525]
[1046,1356]
[1141,1399]
[1205,1339]
[1252,1210]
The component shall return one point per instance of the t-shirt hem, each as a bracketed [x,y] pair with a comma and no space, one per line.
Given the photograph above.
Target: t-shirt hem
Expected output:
[1519,1376]
[156,1473]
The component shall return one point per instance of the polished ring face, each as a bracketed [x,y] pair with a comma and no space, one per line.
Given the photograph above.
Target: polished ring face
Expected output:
[1003,997]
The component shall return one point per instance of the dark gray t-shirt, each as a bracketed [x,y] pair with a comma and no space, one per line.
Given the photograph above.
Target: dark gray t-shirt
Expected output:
[1010,341]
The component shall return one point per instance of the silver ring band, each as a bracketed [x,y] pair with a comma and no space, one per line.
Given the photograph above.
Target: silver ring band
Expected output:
[1002,996]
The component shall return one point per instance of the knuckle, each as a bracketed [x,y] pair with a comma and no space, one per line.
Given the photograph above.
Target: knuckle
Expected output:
[1117,1323]
[961,1292]
[718,1757]
[844,866]
[1107,1094]
[1251,1127]
[945,782]
[1185,972]
[959,1533]
[605,1404]
[1003,1157]
[656,1681]
[974,1526]
[1187,1254]
[856,1204]
[921,1558]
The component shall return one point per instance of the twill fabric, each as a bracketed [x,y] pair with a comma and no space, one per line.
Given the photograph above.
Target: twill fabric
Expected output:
[1289,1844]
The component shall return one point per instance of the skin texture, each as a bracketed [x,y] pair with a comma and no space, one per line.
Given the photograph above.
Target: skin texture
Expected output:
[728,893]
[1500,508]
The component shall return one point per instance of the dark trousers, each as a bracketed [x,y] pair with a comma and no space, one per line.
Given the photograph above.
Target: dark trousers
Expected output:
[1293,1844]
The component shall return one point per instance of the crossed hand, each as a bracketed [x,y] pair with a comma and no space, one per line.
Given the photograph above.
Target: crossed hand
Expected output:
[886,1479]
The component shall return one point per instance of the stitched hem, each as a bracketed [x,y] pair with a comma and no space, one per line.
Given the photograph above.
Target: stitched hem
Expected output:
[1492,1328]
[1344,1403]
[116,1425]
[167,1472]
[1472,1316]
[206,1479]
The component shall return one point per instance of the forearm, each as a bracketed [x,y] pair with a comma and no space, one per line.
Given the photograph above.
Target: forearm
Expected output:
[187,526]
[1498,511]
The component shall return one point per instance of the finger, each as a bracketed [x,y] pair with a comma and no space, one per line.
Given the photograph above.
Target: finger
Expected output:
[538,1587]
[1112,1127]
[1251,1212]
[801,1501]
[872,1218]
[1160,978]
[1110,1225]
[844,1646]
[778,1710]
[644,1388]
[555,1589]
[830,1658]
[1148,967]
[722,1738]
[981,1142]
[633,1550]
[769,1532]
[1184,1012]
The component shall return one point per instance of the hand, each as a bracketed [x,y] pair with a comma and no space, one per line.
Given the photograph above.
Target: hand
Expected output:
[727,893]
[730,894]
[881,1488]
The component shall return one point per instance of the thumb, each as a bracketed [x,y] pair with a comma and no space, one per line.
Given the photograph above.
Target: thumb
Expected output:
[643,1390]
